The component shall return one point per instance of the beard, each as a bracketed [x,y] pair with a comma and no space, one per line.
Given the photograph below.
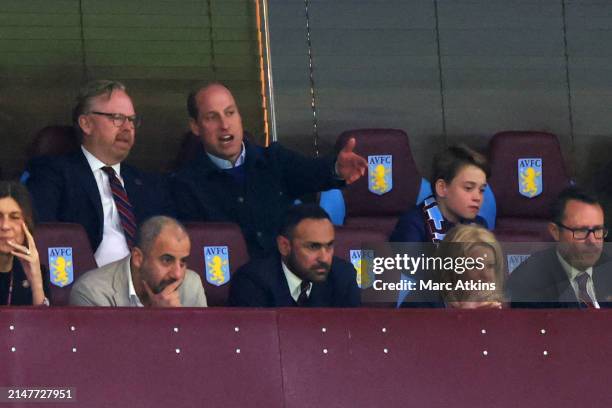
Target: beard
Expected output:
[314,273]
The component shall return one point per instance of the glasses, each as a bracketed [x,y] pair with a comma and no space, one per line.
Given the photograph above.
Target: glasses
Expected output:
[119,119]
[583,233]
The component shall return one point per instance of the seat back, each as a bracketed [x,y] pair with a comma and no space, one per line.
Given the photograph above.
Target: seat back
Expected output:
[513,190]
[405,180]
[349,243]
[53,141]
[217,250]
[66,253]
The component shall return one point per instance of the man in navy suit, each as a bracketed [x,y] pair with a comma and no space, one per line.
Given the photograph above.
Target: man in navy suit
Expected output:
[232,179]
[303,273]
[576,272]
[92,186]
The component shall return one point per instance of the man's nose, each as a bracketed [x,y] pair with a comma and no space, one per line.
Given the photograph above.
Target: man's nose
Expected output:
[590,238]
[325,254]
[224,123]
[175,271]
[128,125]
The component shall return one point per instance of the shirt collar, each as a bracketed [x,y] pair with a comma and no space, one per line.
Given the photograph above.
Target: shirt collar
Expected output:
[226,164]
[294,283]
[96,164]
[134,299]
[572,273]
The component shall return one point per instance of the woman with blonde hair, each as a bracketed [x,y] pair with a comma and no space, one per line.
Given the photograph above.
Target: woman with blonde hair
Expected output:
[472,268]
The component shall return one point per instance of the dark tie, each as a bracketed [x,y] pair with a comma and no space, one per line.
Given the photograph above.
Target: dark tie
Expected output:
[583,294]
[126,212]
[303,298]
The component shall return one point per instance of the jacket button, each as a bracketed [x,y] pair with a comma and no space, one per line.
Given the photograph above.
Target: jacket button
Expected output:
[259,234]
[241,199]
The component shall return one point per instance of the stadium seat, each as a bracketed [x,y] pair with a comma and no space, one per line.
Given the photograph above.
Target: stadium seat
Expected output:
[66,253]
[53,140]
[349,243]
[217,250]
[190,144]
[393,195]
[524,199]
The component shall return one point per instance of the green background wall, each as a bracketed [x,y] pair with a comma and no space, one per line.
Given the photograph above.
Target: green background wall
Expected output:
[158,48]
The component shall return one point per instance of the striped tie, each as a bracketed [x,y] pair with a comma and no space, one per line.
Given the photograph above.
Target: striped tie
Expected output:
[303,298]
[583,295]
[126,212]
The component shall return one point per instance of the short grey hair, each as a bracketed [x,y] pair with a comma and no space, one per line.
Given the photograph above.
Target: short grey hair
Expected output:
[149,230]
[88,92]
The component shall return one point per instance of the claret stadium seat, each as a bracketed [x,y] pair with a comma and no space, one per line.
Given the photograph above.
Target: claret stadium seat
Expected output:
[527,174]
[65,251]
[217,251]
[390,187]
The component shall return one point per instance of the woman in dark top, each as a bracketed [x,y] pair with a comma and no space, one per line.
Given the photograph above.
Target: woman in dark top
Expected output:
[21,279]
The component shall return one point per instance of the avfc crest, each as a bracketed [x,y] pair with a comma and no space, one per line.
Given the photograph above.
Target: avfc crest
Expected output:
[380,174]
[61,272]
[216,265]
[530,177]
[514,260]
[364,280]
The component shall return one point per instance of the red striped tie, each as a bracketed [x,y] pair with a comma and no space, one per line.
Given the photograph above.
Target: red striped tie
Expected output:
[126,212]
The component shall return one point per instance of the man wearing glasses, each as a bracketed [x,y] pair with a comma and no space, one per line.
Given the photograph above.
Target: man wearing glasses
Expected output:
[575,273]
[92,187]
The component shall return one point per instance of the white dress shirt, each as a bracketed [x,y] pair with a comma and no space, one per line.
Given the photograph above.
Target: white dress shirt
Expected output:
[113,245]
[134,299]
[226,164]
[294,283]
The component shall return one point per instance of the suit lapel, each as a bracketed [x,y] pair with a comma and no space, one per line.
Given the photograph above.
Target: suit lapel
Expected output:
[561,284]
[320,294]
[282,296]
[120,283]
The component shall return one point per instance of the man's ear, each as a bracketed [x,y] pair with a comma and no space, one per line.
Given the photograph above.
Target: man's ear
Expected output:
[553,230]
[193,125]
[284,245]
[137,257]
[440,188]
[85,124]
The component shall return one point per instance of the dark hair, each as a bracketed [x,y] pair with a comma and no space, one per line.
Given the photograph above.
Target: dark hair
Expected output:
[297,214]
[149,230]
[557,209]
[88,92]
[192,104]
[447,164]
[21,195]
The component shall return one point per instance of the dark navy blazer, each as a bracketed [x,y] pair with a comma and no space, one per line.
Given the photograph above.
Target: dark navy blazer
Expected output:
[262,283]
[64,189]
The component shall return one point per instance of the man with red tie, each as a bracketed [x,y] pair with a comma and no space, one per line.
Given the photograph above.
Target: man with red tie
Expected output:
[575,273]
[92,186]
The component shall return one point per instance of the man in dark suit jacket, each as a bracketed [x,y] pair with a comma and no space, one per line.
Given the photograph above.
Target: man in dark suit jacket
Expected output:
[303,273]
[575,273]
[79,187]
[232,179]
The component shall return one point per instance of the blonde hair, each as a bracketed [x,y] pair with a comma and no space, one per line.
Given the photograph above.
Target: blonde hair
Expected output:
[470,236]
